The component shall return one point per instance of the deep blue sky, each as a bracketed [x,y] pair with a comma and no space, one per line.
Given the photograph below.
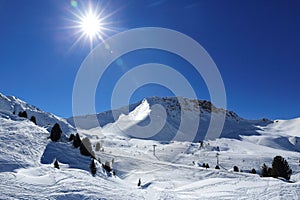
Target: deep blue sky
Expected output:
[255,44]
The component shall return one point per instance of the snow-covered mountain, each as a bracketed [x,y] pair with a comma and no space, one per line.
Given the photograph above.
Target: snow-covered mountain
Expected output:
[173,171]
[283,134]
[11,104]
[172,109]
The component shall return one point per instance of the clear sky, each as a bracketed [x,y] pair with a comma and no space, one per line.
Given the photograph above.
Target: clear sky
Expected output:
[255,44]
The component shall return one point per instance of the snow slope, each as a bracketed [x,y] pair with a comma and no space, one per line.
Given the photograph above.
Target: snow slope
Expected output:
[173,172]
[11,104]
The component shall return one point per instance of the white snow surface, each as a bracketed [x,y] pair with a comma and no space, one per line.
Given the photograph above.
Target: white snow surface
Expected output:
[174,172]
[10,104]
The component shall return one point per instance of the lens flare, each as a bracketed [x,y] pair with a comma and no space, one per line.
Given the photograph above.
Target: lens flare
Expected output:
[74,3]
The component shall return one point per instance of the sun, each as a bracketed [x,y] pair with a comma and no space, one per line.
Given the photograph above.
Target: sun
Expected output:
[89,23]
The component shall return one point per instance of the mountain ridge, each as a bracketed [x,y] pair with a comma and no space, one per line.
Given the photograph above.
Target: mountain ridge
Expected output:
[173,108]
[12,104]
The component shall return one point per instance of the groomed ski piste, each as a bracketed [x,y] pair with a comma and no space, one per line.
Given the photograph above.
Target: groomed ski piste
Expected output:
[174,172]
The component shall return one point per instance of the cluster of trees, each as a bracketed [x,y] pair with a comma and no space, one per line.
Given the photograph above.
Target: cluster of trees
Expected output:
[24,115]
[280,168]
[86,149]
[105,166]
[85,145]
[205,165]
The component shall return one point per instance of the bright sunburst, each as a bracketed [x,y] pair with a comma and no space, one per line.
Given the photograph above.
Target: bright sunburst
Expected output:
[90,23]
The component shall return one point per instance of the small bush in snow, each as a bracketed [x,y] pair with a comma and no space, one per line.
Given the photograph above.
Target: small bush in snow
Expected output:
[139,183]
[107,167]
[217,167]
[265,171]
[98,146]
[56,165]
[93,167]
[76,141]
[235,169]
[253,171]
[71,138]
[33,119]
[56,132]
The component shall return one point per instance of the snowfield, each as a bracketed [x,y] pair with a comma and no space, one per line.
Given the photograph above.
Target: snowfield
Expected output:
[173,172]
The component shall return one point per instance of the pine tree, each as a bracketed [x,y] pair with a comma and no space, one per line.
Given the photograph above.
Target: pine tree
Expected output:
[56,132]
[77,141]
[253,171]
[71,138]
[107,167]
[24,114]
[86,147]
[235,169]
[98,146]
[93,167]
[269,171]
[56,165]
[33,119]
[206,166]
[265,171]
[139,183]
[280,168]
[217,167]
